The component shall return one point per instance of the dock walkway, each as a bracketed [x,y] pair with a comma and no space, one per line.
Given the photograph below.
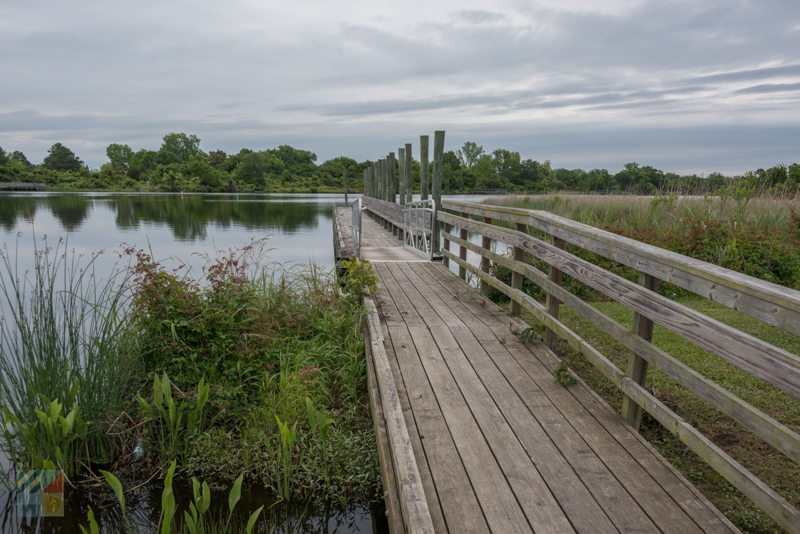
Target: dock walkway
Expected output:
[499,446]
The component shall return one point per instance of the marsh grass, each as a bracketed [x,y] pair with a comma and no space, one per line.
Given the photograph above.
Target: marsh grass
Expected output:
[769,214]
[64,339]
[755,235]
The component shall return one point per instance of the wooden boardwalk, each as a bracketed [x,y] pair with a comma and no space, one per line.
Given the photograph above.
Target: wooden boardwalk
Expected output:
[498,445]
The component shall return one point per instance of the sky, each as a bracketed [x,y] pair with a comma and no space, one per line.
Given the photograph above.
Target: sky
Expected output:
[685,86]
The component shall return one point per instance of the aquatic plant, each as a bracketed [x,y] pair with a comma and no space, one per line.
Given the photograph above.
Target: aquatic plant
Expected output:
[64,340]
[168,432]
[194,519]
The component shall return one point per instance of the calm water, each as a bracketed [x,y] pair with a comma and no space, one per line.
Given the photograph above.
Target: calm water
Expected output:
[177,229]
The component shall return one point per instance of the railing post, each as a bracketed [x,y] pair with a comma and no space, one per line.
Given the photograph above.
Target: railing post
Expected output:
[637,366]
[376,176]
[345,188]
[409,179]
[553,304]
[486,243]
[462,253]
[392,180]
[447,228]
[438,160]
[516,278]
[401,160]
[364,185]
[423,167]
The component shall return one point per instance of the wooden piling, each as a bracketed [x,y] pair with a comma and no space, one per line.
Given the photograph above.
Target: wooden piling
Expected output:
[423,167]
[409,167]
[401,159]
[438,160]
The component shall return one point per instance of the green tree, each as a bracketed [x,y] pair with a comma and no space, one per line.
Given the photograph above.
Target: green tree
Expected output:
[198,166]
[216,158]
[507,165]
[61,158]
[19,156]
[177,148]
[255,166]
[144,160]
[119,155]
[3,157]
[469,154]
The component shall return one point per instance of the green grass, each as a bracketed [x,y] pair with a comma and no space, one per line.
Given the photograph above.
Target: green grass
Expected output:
[63,337]
[776,470]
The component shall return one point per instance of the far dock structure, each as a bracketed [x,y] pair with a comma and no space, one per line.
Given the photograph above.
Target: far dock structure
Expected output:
[473,432]
[22,186]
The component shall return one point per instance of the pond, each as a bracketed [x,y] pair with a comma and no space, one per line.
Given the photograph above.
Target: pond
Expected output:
[178,229]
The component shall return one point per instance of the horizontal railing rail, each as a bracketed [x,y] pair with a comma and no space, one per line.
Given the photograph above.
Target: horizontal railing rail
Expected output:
[759,358]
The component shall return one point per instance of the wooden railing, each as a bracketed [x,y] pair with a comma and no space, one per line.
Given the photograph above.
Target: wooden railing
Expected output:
[768,302]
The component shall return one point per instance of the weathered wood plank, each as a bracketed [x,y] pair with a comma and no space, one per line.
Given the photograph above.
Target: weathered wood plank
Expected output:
[532,493]
[416,516]
[459,503]
[685,495]
[500,508]
[772,364]
[434,506]
[772,503]
[771,303]
[392,499]
[707,517]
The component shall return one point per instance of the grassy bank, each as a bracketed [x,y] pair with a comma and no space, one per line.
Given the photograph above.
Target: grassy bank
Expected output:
[754,235]
[252,370]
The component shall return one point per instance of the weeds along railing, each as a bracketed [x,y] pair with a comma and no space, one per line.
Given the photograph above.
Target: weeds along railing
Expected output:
[772,304]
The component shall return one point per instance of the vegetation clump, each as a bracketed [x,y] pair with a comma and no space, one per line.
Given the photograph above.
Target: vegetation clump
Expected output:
[251,370]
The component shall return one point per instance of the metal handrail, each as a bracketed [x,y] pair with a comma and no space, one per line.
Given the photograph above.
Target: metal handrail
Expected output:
[418,218]
[356,226]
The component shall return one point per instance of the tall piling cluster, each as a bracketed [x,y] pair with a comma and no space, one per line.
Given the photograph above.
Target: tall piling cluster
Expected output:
[390,179]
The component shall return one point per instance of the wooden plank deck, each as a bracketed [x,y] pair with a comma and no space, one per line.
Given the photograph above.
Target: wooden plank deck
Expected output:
[373,234]
[499,446]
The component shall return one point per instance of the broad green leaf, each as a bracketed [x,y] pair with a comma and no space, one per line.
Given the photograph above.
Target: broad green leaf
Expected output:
[206,498]
[116,485]
[190,522]
[93,526]
[196,489]
[236,492]
[253,519]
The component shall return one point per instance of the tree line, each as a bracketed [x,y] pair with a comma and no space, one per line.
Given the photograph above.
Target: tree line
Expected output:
[180,165]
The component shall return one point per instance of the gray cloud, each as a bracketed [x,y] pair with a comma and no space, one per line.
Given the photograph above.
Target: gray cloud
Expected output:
[350,78]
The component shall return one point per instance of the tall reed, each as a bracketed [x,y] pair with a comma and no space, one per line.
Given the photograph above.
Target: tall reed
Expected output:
[61,325]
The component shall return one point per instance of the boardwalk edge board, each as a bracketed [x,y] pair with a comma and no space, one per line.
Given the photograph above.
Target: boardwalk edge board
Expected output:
[416,515]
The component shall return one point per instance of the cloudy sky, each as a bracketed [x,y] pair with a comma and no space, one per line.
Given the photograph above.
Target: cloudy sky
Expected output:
[686,86]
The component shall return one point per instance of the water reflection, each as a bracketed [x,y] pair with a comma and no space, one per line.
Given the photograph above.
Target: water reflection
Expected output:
[187,216]
[143,507]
